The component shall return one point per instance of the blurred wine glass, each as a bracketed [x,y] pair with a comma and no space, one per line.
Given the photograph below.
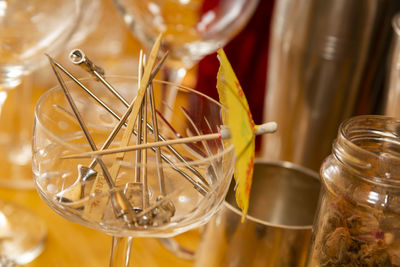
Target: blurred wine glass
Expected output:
[191,29]
[28,30]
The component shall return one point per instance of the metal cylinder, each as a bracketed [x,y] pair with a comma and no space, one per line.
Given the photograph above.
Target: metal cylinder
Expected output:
[324,56]
[277,229]
[391,105]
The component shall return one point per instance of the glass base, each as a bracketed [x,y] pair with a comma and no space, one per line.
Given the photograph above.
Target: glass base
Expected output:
[22,234]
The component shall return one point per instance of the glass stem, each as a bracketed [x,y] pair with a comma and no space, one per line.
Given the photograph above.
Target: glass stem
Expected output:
[23,115]
[174,75]
[121,248]
[16,117]
[15,111]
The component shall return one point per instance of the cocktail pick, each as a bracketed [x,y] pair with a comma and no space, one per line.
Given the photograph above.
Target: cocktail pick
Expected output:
[121,206]
[138,195]
[200,185]
[76,190]
[79,58]
[136,188]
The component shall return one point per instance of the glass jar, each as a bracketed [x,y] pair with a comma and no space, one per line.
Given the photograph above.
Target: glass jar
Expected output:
[358,221]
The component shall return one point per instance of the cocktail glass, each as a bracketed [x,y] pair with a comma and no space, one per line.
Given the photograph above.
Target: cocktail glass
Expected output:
[138,202]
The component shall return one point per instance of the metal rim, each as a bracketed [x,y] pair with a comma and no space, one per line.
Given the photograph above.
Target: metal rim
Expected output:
[284,164]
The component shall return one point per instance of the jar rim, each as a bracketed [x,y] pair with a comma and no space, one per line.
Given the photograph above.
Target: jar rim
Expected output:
[370,146]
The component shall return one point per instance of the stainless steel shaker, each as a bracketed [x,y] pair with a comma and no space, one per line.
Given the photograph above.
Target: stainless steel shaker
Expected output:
[277,229]
[324,56]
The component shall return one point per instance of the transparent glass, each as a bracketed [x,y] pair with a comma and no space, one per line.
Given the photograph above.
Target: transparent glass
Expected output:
[28,30]
[91,202]
[358,222]
[22,234]
[191,28]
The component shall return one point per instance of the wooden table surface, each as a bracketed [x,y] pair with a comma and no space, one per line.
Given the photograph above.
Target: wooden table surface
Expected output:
[72,245]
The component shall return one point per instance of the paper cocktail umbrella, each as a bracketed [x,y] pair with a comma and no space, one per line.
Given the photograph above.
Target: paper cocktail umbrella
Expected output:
[242,128]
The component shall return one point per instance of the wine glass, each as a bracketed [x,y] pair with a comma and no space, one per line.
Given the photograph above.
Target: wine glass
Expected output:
[28,30]
[191,29]
[136,200]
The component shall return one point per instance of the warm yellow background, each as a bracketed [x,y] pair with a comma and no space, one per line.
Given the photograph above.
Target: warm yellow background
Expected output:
[68,244]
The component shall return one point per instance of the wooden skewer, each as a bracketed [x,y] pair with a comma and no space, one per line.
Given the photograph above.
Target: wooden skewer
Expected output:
[268,127]
[146,77]
[147,145]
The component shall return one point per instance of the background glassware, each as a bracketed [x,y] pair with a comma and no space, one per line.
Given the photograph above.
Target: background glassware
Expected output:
[22,235]
[28,30]
[191,29]
[358,214]
[56,133]
[277,229]
[326,63]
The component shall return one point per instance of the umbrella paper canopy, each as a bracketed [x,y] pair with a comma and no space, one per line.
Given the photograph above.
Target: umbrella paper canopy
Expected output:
[242,128]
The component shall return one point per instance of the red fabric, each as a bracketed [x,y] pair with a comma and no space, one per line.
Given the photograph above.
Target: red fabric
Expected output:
[209,5]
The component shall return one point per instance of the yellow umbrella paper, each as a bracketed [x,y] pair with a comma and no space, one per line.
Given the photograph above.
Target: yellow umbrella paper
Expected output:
[241,126]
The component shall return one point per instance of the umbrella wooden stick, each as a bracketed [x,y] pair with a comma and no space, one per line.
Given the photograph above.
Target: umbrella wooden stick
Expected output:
[268,127]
